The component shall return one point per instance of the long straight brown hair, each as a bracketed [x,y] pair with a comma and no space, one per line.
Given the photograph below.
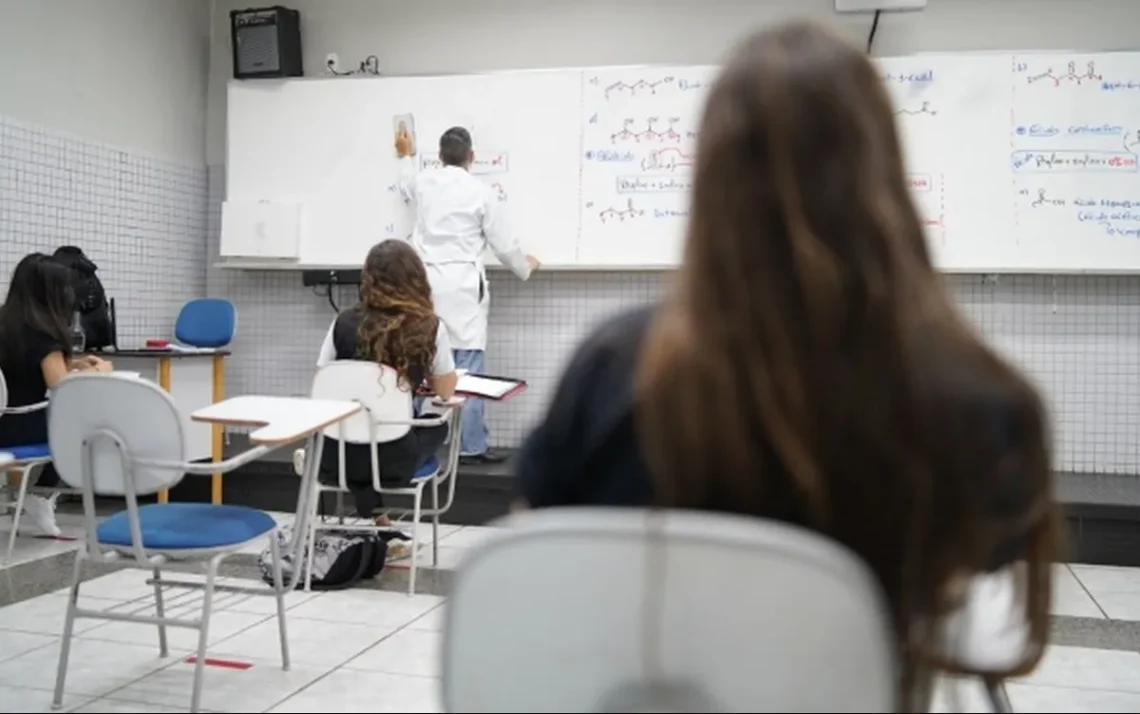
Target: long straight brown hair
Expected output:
[808,363]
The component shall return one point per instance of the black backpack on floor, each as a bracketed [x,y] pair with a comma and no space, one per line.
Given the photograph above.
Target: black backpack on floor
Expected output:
[341,558]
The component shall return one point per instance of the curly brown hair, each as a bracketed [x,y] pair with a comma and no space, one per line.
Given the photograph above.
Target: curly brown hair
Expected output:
[397,321]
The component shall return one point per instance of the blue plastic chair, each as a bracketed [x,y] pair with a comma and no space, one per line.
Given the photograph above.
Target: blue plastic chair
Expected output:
[28,459]
[115,435]
[206,322]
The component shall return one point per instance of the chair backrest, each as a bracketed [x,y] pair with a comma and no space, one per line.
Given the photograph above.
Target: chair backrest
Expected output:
[377,389]
[206,322]
[99,408]
[605,610]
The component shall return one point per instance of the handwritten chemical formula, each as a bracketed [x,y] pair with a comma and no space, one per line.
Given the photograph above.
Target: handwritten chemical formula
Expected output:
[1072,161]
[922,109]
[629,212]
[1072,76]
[668,159]
[631,130]
[653,184]
[484,165]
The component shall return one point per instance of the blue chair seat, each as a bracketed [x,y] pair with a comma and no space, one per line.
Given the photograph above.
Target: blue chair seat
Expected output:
[28,452]
[187,526]
[429,469]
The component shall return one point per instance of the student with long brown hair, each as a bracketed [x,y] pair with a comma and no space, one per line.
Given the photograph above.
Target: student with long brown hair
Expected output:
[395,325]
[808,365]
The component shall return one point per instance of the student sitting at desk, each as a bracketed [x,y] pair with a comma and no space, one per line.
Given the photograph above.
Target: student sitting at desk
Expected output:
[35,354]
[809,366]
[395,325]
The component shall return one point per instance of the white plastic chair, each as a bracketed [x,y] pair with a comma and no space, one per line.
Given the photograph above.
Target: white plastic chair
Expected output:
[623,610]
[120,436]
[29,460]
[387,415]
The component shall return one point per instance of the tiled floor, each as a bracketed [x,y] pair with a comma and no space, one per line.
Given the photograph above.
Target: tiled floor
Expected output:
[377,651]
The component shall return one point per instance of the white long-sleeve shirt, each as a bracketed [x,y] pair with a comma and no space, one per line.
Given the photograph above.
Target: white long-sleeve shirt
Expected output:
[457,219]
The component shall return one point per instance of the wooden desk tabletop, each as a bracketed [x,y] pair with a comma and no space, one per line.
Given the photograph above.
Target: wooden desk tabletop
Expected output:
[283,420]
[156,354]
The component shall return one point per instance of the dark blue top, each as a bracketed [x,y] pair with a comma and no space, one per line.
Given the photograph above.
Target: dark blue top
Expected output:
[586,450]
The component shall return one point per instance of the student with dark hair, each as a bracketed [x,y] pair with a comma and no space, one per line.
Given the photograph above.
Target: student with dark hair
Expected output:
[457,219]
[35,354]
[395,325]
[808,365]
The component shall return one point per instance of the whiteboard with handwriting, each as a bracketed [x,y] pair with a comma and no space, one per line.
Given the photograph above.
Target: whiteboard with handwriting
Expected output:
[1017,163]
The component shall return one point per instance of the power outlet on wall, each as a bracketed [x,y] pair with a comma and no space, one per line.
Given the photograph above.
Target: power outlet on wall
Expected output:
[332,62]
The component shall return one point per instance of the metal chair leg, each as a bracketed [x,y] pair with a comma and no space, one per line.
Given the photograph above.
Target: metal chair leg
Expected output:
[997,696]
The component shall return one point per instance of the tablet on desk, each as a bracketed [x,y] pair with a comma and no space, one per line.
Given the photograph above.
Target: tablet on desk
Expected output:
[485,386]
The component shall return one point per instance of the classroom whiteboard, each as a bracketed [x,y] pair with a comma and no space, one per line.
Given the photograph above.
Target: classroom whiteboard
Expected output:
[1017,163]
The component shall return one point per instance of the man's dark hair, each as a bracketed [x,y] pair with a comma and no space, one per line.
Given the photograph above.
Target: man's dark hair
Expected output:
[455,146]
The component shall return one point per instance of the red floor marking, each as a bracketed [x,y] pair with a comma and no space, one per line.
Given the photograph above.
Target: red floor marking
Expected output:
[224,663]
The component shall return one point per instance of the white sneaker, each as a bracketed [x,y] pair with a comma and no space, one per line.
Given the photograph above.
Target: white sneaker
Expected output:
[42,513]
[299,462]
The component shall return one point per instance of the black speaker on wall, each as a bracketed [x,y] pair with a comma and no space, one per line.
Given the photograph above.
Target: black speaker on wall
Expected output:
[266,42]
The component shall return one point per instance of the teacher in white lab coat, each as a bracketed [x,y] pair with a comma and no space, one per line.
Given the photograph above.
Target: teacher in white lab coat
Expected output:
[457,220]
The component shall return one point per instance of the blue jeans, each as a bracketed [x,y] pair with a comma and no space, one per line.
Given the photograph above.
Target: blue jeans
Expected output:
[472,428]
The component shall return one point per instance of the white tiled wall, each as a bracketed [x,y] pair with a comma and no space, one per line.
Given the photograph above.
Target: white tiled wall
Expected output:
[1078,337]
[141,220]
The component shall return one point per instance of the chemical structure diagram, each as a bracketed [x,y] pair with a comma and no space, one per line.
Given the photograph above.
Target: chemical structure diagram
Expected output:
[924,108]
[649,133]
[1070,76]
[620,214]
[499,192]
[1131,140]
[670,158]
[1044,200]
[633,89]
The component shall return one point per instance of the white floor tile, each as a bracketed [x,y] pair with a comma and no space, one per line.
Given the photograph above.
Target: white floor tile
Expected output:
[112,706]
[45,614]
[1120,606]
[414,652]
[29,549]
[349,691]
[222,625]
[1070,598]
[469,536]
[18,699]
[265,604]
[1029,698]
[95,669]
[431,622]
[313,642]
[375,607]
[1088,669]
[14,644]
[224,690]
[1115,590]
[450,558]
[1107,579]
[126,584]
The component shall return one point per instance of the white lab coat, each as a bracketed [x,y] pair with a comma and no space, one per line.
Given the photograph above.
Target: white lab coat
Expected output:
[456,221]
